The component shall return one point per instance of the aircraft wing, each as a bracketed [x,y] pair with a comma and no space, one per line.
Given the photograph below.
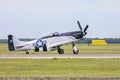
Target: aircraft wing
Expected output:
[59,41]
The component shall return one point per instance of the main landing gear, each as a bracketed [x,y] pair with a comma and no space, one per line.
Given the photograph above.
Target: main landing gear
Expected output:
[60,51]
[75,49]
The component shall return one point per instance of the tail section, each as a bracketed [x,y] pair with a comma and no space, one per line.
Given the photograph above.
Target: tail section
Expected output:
[11,43]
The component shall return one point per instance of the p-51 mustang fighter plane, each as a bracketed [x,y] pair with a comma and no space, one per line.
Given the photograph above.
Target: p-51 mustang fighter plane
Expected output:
[48,43]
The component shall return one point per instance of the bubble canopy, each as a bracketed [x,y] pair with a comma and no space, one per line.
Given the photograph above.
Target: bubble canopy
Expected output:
[47,35]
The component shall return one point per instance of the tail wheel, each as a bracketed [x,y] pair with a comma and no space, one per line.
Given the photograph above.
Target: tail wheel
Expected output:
[27,52]
[60,51]
[75,50]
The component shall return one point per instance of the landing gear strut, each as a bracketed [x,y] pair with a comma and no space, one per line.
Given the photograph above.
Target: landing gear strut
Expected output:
[60,51]
[75,49]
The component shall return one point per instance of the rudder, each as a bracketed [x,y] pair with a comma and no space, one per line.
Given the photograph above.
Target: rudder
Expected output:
[10,43]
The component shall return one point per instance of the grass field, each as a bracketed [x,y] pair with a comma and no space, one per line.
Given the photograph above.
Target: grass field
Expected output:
[60,67]
[63,67]
[84,49]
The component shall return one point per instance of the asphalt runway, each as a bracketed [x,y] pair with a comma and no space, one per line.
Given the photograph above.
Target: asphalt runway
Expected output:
[50,56]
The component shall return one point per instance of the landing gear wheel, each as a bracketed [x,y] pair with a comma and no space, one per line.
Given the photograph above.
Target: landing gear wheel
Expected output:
[75,50]
[60,51]
[27,52]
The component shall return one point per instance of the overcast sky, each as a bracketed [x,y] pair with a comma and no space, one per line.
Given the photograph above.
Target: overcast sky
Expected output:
[32,18]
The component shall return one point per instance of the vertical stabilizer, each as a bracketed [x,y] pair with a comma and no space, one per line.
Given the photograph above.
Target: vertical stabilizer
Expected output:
[10,43]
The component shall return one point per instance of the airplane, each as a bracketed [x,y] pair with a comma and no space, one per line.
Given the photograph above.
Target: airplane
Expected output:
[49,42]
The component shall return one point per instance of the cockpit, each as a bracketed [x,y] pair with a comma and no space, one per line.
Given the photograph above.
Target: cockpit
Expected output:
[55,34]
[50,35]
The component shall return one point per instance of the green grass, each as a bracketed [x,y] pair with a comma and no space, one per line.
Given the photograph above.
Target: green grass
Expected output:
[60,67]
[102,49]
[63,67]
[84,49]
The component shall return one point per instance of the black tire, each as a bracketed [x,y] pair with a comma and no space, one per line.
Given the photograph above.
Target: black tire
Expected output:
[60,51]
[36,49]
[76,52]
[27,53]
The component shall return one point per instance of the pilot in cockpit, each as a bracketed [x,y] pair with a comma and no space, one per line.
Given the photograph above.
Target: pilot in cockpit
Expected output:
[55,34]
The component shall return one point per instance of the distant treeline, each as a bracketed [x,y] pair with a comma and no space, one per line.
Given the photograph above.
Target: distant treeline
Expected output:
[84,41]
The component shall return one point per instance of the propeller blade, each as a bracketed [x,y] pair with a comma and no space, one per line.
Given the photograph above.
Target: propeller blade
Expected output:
[85,33]
[79,25]
[85,28]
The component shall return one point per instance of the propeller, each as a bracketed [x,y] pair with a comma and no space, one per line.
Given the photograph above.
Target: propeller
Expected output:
[85,29]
